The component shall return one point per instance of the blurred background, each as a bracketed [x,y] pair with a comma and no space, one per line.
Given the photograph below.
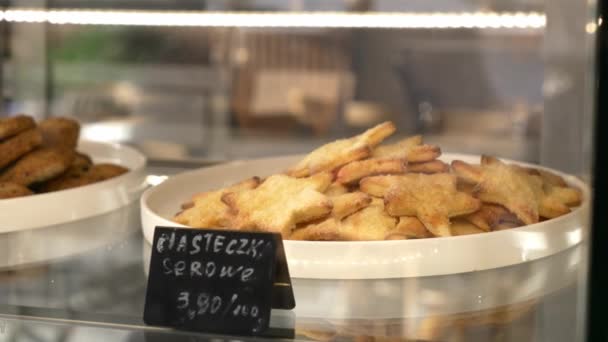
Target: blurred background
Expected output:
[260,85]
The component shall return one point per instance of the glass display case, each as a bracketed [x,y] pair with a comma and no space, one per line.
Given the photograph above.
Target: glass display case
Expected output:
[192,96]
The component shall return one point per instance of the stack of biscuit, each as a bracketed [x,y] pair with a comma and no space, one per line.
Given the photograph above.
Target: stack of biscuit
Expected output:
[360,189]
[40,158]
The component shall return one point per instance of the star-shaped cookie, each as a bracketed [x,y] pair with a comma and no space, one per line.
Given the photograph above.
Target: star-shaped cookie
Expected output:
[550,203]
[409,227]
[410,149]
[336,189]
[528,193]
[433,199]
[367,224]
[555,187]
[490,216]
[340,152]
[206,210]
[377,186]
[346,204]
[461,226]
[280,202]
[354,171]
[433,166]
[502,184]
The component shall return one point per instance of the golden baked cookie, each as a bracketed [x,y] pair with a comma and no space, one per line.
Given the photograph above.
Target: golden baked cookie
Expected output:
[367,224]
[280,202]
[39,166]
[96,173]
[461,226]
[433,199]
[490,216]
[12,190]
[410,149]
[354,171]
[341,152]
[409,227]
[357,189]
[525,194]
[208,210]
[60,132]
[14,125]
[501,184]
[17,146]
[346,204]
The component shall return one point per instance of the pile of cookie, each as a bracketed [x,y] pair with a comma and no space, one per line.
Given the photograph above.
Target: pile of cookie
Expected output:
[357,189]
[40,158]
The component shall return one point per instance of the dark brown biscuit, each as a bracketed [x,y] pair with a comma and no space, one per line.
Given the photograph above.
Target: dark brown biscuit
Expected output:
[96,173]
[81,163]
[39,166]
[17,146]
[60,132]
[101,172]
[11,190]
[14,125]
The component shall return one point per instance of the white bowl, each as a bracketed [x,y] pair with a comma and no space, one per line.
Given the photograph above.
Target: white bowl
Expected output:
[65,206]
[379,259]
[34,247]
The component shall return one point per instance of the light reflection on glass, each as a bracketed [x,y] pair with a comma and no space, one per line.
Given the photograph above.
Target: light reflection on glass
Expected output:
[154,180]
[574,236]
[445,20]
[107,132]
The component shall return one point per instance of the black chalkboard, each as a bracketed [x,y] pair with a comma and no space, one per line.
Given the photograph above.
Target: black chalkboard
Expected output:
[216,281]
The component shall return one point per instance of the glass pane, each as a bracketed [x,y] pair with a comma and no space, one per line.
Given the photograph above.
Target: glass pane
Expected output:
[432,242]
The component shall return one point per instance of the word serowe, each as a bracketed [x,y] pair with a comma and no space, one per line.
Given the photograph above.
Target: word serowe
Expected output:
[209,269]
[209,243]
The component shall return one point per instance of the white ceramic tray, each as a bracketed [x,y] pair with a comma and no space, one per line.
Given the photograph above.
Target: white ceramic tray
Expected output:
[65,206]
[37,247]
[378,259]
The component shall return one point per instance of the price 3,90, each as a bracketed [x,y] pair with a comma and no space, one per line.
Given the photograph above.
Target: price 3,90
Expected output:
[207,304]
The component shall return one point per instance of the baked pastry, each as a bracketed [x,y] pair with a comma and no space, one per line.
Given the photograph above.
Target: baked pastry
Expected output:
[19,145]
[39,166]
[94,174]
[12,190]
[357,189]
[280,202]
[434,199]
[42,158]
[340,152]
[80,164]
[208,210]
[60,132]
[370,223]
[14,125]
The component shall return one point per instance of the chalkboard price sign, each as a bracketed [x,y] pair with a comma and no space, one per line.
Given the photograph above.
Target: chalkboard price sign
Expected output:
[215,281]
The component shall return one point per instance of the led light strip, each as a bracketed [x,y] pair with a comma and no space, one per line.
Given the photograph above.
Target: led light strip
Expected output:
[529,20]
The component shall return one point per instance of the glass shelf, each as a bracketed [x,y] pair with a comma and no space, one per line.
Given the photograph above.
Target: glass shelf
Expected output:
[97,286]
